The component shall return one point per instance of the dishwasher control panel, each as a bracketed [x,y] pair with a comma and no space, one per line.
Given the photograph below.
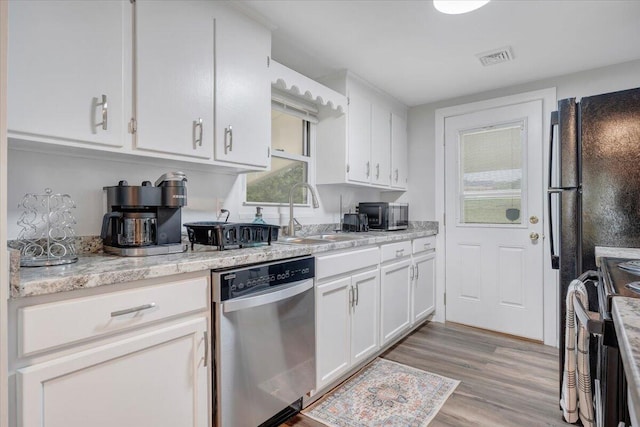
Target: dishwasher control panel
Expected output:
[257,278]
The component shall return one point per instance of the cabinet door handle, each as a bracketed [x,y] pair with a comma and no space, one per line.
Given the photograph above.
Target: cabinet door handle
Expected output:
[228,139]
[417,272]
[377,170]
[350,296]
[368,169]
[197,126]
[396,175]
[412,273]
[206,349]
[399,253]
[133,309]
[105,112]
[357,293]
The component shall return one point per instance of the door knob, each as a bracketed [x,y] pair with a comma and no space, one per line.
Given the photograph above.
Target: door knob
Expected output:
[534,236]
[533,219]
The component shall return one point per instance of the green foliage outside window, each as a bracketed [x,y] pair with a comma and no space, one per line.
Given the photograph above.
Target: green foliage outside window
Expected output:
[273,187]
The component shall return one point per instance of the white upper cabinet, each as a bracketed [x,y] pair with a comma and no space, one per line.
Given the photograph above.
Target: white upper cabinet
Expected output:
[359,147]
[183,80]
[380,141]
[242,90]
[175,77]
[65,76]
[364,139]
[399,152]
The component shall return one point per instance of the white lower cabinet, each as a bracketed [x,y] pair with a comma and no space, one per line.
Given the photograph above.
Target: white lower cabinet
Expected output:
[346,324]
[137,356]
[366,299]
[347,311]
[157,378]
[364,315]
[395,314]
[333,331]
[423,286]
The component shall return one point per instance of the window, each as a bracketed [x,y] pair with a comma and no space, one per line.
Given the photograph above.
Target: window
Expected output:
[291,162]
[491,168]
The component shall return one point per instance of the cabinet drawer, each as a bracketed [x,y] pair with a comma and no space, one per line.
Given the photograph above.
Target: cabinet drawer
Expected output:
[54,324]
[423,244]
[343,262]
[397,250]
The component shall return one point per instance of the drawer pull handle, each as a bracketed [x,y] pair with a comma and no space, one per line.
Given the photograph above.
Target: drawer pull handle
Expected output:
[399,253]
[427,245]
[133,310]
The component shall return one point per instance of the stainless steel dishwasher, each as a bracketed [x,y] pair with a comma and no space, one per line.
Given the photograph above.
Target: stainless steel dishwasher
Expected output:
[264,344]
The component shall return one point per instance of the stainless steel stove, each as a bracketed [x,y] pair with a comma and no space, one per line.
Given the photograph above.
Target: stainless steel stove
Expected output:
[618,277]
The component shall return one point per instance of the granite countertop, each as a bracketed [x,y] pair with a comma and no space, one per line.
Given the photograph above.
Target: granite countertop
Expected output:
[100,269]
[626,318]
[613,252]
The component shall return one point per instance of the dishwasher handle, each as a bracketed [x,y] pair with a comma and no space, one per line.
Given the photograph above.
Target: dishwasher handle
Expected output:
[279,294]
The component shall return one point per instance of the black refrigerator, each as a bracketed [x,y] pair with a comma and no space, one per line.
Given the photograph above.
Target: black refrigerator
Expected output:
[596,151]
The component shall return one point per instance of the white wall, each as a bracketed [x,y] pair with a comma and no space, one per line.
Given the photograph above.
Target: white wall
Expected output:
[82,176]
[421,123]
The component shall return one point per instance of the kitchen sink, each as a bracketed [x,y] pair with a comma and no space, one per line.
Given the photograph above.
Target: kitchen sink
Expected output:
[336,237]
[317,239]
[294,240]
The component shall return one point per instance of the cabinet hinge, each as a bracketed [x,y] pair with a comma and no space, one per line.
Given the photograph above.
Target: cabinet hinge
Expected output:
[268,61]
[348,101]
[133,125]
[444,219]
[348,168]
[445,298]
[268,152]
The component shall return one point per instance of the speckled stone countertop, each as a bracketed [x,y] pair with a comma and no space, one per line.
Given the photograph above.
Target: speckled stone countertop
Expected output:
[626,318]
[99,269]
[611,252]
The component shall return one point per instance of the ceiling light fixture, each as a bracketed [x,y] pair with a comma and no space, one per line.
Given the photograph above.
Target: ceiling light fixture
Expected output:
[455,7]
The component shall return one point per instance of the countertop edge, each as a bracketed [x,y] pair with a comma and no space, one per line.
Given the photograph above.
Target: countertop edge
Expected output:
[626,320]
[103,270]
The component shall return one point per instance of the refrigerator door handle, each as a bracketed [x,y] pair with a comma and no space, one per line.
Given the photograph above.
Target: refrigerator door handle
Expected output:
[555,259]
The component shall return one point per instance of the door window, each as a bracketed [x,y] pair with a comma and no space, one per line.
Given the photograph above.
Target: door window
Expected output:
[492,162]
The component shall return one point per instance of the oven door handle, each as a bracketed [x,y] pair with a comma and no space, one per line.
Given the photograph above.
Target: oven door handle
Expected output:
[589,319]
[277,295]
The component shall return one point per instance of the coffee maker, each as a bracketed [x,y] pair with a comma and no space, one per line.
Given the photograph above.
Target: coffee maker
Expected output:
[145,219]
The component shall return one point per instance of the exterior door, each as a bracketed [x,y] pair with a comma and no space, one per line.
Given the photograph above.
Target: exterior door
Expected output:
[494,207]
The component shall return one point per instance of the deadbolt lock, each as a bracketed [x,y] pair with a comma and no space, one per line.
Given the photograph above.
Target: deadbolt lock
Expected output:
[534,236]
[533,219]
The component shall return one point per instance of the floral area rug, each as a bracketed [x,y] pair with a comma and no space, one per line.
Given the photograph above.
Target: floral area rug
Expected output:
[384,393]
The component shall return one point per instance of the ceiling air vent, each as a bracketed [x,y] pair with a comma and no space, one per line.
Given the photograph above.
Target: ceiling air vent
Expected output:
[497,56]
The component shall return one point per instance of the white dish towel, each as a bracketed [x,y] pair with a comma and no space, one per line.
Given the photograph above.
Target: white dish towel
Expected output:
[577,399]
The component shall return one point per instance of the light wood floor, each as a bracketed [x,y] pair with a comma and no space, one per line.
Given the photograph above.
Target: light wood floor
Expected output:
[504,381]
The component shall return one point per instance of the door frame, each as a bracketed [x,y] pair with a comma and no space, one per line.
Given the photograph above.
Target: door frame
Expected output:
[4,264]
[550,276]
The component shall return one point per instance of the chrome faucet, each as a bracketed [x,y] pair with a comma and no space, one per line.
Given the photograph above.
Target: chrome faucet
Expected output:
[292,220]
